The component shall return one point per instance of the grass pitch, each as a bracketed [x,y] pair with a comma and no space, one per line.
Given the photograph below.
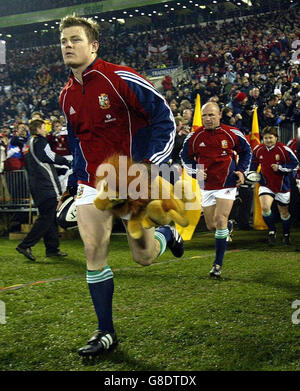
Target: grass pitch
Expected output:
[170,316]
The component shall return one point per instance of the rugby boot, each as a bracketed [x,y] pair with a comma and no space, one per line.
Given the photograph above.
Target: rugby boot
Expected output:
[101,341]
[176,245]
[215,271]
[272,238]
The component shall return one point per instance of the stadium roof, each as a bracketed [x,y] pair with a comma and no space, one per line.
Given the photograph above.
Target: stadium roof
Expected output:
[124,8]
[126,12]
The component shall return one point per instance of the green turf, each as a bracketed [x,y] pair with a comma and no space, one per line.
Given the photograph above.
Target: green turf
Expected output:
[169,316]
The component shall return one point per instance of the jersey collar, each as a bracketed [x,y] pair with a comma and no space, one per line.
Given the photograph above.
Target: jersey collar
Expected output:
[87,69]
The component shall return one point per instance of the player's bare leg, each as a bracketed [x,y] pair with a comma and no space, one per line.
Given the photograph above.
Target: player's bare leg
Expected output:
[153,243]
[95,230]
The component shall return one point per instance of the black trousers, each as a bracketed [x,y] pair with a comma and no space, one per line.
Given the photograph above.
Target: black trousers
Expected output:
[244,210]
[44,227]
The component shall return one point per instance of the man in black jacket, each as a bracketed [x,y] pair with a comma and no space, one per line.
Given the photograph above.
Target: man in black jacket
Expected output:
[45,190]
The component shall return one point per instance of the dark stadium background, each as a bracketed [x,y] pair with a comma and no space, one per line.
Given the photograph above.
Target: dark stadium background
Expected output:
[170,316]
[258,41]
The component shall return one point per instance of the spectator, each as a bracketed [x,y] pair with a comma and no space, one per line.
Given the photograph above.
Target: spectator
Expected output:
[286,110]
[237,106]
[296,114]
[167,83]
[246,87]
[272,101]
[45,190]
[267,118]
[3,146]
[15,149]
[238,102]
[227,116]
[173,107]
[182,130]
[254,98]
[59,143]
[246,121]
[187,115]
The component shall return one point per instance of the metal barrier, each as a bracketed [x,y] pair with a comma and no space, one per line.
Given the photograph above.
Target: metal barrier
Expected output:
[14,192]
[287,132]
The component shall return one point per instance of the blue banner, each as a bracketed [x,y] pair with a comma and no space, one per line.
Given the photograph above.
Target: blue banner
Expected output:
[161,71]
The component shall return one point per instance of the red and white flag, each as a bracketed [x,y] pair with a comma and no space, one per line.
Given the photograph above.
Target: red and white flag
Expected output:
[157,49]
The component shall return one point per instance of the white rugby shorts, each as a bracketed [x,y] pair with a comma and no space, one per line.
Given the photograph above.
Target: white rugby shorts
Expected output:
[283,198]
[85,195]
[209,197]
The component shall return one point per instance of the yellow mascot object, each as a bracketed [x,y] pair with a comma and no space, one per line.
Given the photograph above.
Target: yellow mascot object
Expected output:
[166,206]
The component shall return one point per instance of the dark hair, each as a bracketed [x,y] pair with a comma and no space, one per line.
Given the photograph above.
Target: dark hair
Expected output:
[226,110]
[268,107]
[272,97]
[91,27]
[37,113]
[270,130]
[34,125]
[55,122]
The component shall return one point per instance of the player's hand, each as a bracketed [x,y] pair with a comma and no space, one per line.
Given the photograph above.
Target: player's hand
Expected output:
[275,167]
[241,178]
[63,197]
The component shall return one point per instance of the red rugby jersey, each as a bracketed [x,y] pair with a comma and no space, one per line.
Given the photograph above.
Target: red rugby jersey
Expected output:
[217,151]
[279,181]
[116,110]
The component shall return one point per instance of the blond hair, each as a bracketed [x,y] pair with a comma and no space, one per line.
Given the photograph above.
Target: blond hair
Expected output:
[90,26]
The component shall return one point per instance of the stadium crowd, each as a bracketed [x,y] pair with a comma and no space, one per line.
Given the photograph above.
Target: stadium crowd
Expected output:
[240,64]
[20,6]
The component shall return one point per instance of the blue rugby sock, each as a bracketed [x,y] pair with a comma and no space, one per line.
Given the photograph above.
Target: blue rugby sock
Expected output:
[221,244]
[269,220]
[286,224]
[101,286]
[229,225]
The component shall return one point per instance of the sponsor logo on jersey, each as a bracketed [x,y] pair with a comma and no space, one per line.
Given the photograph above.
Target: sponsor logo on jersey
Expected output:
[104,101]
[224,144]
[109,119]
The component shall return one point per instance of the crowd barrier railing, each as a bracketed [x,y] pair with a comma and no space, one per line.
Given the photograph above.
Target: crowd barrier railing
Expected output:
[287,131]
[14,192]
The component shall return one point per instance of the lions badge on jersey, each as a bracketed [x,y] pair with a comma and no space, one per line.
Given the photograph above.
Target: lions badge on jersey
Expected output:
[104,101]
[224,144]
[80,191]
[277,157]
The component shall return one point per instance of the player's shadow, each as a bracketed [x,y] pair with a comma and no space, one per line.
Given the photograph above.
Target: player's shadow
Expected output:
[74,263]
[271,279]
[155,278]
[252,352]
[119,356]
